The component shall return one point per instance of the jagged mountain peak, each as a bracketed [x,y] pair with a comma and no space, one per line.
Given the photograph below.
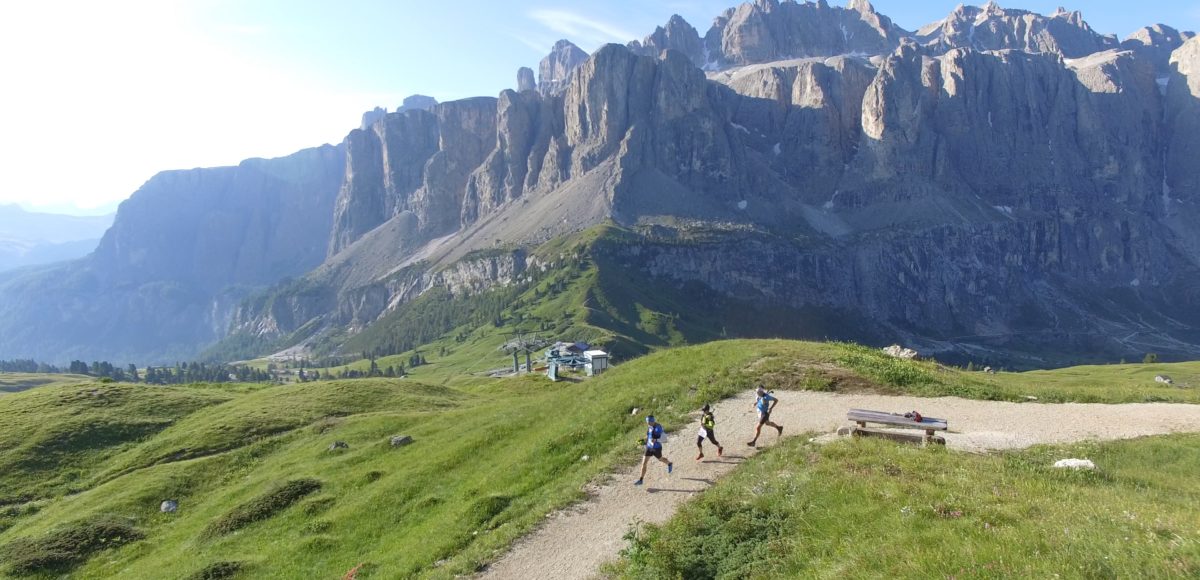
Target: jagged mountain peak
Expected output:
[991,27]
[555,70]
[762,32]
[1157,42]
[417,103]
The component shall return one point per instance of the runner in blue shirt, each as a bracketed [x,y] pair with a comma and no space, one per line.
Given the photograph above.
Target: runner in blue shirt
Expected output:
[653,443]
[765,404]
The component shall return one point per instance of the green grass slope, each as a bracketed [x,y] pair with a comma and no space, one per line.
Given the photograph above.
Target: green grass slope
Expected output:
[868,508]
[54,438]
[15,382]
[263,496]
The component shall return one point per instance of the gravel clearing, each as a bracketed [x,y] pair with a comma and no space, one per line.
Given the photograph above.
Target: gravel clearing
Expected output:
[575,542]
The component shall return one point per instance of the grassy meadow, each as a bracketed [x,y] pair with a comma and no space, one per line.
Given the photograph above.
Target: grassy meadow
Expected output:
[869,508]
[84,467]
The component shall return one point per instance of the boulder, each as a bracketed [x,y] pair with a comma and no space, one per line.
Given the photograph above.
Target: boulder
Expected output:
[900,352]
[339,445]
[169,506]
[1074,464]
[401,440]
[1164,379]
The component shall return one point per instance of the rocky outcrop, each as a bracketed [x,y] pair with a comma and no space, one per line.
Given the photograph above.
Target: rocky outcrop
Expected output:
[525,80]
[1157,43]
[991,27]
[677,35]
[300,304]
[1018,130]
[769,30]
[415,162]
[526,123]
[555,70]
[417,103]
[1182,126]
[371,117]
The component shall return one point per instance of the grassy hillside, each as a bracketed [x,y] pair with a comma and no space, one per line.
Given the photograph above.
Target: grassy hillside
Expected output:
[54,438]
[14,382]
[868,508]
[260,491]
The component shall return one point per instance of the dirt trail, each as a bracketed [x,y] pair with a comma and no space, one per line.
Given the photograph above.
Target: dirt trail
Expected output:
[575,542]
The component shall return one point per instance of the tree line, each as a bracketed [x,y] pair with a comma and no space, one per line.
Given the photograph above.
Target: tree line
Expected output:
[191,372]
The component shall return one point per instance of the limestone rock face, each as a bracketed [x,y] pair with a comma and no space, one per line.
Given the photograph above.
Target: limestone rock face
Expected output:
[526,80]
[555,70]
[1182,125]
[1008,177]
[1157,42]
[926,121]
[184,250]
[991,27]
[770,30]
[417,103]
[676,35]
[385,165]
[413,161]
[525,124]
[371,117]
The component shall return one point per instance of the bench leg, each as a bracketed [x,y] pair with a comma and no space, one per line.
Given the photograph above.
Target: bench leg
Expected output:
[928,437]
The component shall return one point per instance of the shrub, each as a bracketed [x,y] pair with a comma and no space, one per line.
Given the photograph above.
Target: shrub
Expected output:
[263,506]
[485,510]
[68,546]
[218,571]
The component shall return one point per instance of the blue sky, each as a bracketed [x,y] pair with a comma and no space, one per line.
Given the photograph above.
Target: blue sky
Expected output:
[101,95]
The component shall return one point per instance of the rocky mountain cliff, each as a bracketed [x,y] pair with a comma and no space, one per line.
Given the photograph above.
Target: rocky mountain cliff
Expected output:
[1000,183]
[185,249]
[962,199]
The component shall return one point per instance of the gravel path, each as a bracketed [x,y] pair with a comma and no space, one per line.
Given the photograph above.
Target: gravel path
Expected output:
[575,542]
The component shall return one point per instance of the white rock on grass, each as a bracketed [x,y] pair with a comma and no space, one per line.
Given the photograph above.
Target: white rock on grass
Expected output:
[1075,464]
[900,352]
[169,506]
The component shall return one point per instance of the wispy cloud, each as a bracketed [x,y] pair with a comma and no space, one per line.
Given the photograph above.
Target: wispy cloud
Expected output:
[581,29]
[537,43]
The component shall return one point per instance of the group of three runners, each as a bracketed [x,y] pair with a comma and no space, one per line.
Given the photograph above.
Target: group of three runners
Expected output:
[764,404]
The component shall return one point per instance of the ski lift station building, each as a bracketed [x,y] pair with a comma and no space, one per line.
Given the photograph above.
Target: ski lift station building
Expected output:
[596,362]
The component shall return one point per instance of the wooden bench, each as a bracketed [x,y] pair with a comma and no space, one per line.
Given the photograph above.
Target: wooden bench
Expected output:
[928,424]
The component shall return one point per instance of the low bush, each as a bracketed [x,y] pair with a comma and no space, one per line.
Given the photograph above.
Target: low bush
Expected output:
[67,546]
[263,506]
[218,571]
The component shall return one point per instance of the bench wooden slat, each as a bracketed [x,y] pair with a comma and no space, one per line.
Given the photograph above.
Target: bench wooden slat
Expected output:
[897,420]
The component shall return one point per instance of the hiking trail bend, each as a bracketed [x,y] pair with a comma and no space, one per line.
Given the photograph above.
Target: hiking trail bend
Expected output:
[574,542]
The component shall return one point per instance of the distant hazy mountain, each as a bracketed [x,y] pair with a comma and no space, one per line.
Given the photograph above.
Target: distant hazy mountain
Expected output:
[32,238]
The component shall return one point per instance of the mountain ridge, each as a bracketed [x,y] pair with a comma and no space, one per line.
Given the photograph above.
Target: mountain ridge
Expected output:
[959,192]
